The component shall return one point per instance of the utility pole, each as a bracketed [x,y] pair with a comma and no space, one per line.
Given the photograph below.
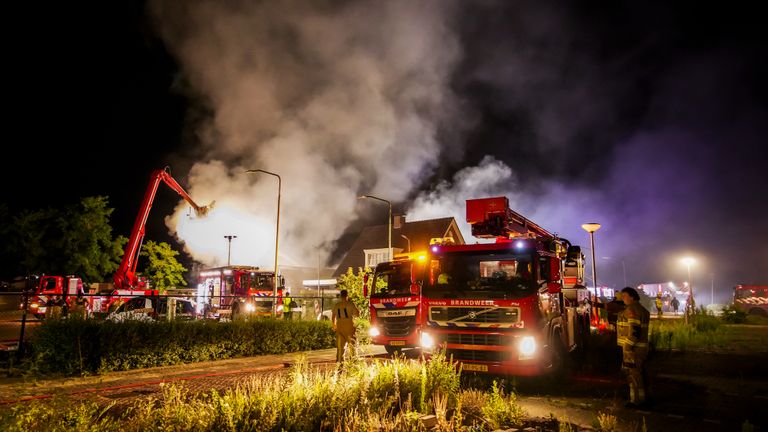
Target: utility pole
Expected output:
[229,247]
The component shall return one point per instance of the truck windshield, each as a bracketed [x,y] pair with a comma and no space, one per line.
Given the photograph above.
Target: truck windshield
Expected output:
[391,280]
[480,274]
[262,282]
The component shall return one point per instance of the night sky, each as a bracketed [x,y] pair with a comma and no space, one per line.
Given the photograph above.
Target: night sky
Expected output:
[649,118]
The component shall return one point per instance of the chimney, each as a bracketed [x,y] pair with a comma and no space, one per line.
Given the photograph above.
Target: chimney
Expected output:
[399,221]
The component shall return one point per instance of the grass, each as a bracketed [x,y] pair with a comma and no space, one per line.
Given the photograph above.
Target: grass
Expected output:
[385,395]
[706,332]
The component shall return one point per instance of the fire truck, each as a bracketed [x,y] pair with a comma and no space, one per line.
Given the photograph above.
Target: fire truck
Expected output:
[751,299]
[224,292]
[127,282]
[513,307]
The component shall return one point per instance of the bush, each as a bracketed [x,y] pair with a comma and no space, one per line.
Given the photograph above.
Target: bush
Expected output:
[77,347]
[734,315]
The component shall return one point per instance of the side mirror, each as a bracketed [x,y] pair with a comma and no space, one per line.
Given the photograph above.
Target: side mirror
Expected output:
[365,285]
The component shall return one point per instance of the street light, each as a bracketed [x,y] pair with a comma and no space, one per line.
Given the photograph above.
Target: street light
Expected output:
[277,234]
[688,262]
[408,240]
[389,222]
[229,247]
[591,228]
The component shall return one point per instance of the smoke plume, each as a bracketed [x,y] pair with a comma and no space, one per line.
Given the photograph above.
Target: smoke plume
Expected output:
[338,98]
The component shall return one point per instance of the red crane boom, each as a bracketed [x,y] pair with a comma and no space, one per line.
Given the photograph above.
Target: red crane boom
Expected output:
[125,276]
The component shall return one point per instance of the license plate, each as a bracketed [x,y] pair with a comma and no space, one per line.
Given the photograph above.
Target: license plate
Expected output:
[397,343]
[474,367]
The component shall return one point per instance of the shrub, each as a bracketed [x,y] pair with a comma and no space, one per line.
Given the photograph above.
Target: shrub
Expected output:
[77,347]
[733,315]
[502,410]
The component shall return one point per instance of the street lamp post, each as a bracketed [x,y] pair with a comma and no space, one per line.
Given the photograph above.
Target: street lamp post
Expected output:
[229,247]
[389,222]
[277,235]
[623,269]
[408,240]
[591,228]
[688,262]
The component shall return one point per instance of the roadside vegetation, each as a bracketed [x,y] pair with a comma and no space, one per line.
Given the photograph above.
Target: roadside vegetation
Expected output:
[706,332]
[82,347]
[385,395]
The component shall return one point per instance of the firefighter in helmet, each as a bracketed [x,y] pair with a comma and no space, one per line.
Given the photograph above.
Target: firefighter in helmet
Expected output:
[343,324]
[632,337]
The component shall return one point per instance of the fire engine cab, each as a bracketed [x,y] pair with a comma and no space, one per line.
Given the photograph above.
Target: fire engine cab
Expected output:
[515,307]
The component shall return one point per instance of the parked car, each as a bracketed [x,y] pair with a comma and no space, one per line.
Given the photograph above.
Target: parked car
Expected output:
[145,308]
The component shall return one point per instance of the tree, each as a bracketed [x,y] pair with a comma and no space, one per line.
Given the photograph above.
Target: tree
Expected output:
[74,240]
[353,283]
[163,269]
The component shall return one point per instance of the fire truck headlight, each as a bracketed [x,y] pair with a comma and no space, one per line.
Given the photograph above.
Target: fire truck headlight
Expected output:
[250,307]
[427,341]
[374,331]
[34,305]
[527,346]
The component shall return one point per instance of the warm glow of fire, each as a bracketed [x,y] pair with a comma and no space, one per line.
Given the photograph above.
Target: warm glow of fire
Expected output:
[254,245]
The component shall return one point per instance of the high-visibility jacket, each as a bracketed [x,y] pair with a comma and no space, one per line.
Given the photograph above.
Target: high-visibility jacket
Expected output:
[632,327]
[287,304]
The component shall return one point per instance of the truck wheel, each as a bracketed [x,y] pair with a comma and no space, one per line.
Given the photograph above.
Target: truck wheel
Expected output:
[757,311]
[560,358]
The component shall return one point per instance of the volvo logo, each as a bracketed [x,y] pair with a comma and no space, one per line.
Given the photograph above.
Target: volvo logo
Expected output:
[472,315]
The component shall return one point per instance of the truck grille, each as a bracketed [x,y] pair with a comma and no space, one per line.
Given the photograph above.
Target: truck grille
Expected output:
[474,339]
[475,314]
[398,326]
[478,355]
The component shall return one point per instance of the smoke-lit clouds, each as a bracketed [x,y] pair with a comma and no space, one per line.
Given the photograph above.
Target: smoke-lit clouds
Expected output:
[337,98]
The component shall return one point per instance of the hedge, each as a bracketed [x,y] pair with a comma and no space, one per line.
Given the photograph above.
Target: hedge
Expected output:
[80,347]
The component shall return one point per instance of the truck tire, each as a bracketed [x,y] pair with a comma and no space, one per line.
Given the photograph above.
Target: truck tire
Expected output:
[757,311]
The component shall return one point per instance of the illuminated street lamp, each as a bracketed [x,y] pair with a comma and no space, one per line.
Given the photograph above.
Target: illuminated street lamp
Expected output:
[591,228]
[389,222]
[688,262]
[277,234]
[408,240]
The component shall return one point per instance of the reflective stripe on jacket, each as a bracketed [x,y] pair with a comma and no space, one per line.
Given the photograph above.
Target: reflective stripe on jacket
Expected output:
[632,326]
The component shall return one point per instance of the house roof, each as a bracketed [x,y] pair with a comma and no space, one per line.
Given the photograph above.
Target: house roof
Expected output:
[375,237]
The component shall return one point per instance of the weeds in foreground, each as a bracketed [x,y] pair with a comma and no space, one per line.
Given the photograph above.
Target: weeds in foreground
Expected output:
[391,395]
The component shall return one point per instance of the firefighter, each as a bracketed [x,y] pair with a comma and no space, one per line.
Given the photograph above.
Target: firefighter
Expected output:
[675,303]
[80,307]
[342,323]
[54,307]
[632,337]
[659,306]
[287,313]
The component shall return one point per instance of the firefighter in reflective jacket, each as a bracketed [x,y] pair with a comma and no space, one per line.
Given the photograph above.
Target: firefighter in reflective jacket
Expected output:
[342,321]
[632,337]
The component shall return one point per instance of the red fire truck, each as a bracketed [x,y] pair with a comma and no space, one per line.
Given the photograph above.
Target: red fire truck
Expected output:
[752,299]
[127,282]
[514,307]
[226,291]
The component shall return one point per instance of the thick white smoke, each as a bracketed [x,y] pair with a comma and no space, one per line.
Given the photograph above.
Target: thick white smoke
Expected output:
[338,99]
